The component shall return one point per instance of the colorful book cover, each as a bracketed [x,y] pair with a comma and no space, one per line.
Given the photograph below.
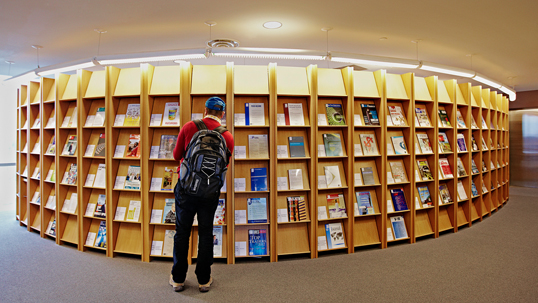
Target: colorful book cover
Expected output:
[424,143]
[422,117]
[166,149]
[474,145]
[444,193]
[293,209]
[296,147]
[51,230]
[171,114]
[462,147]
[398,226]
[71,146]
[258,179]
[474,190]
[364,201]
[398,199]
[257,210]
[335,114]
[51,149]
[72,174]
[474,168]
[220,213]
[368,175]
[169,212]
[425,197]
[443,117]
[133,150]
[336,205]
[461,168]
[101,235]
[133,213]
[473,123]
[217,241]
[335,235]
[170,177]
[397,115]
[444,143]
[369,145]
[100,209]
[424,170]
[398,171]
[132,115]
[293,113]
[257,242]
[399,145]
[132,180]
[302,208]
[459,120]
[333,145]
[445,168]
[369,113]
[100,147]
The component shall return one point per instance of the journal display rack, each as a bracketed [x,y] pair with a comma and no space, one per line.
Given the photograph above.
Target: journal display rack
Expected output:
[325,160]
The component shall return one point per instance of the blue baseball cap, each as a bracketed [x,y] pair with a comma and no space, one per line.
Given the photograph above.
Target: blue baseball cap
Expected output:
[211,102]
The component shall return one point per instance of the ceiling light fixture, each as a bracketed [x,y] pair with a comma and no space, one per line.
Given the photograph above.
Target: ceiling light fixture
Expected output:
[270,56]
[223,42]
[272,24]
[438,68]
[151,59]
[486,81]
[388,63]
[64,69]
[511,93]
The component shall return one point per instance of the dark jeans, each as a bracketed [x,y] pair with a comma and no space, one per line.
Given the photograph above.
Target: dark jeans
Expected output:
[186,208]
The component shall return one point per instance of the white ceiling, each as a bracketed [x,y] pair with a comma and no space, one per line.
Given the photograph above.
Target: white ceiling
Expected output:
[502,36]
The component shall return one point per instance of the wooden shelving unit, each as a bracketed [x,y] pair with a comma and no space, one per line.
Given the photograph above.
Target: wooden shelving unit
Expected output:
[54,110]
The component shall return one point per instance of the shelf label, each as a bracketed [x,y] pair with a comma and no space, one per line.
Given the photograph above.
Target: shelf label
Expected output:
[156,184]
[120,182]
[390,208]
[89,120]
[282,151]
[119,120]
[240,152]
[389,234]
[321,150]
[89,180]
[241,216]
[240,184]
[280,119]
[120,151]
[89,151]
[239,119]
[120,213]
[322,120]
[90,240]
[282,183]
[154,153]
[240,249]
[90,209]
[357,120]
[156,120]
[357,150]
[282,215]
[358,179]
[322,182]
[156,248]
[156,216]
[322,212]
[322,243]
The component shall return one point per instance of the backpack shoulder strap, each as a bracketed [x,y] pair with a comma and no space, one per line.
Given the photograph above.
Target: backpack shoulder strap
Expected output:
[221,129]
[200,124]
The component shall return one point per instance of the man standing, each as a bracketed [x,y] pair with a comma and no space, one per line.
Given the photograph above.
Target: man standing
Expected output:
[187,206]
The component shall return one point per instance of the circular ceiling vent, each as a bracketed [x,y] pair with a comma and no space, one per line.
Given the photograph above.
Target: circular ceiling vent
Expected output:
[222,43]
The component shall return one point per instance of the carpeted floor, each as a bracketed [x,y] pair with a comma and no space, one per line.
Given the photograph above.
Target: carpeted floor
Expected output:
[496,260]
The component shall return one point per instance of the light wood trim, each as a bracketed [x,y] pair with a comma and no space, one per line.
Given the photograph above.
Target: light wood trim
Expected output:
[364,85]
[209,80]
[330,82]
[128,83]
[422,92]
[96,85]
[166,80]
[293,81]
[251,80]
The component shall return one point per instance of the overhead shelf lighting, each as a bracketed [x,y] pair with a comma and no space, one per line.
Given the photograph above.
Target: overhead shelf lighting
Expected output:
[486,81]
[43,72]
[152,59]
[269,56]
[438,68]
[510,92]
[395,63]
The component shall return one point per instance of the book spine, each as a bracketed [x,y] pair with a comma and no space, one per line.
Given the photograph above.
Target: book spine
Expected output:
[286,114]
[247,114]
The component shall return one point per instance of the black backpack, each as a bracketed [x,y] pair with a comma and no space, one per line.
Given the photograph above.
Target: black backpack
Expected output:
[204,166]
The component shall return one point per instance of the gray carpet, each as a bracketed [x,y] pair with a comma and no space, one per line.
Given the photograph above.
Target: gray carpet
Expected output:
[494,261]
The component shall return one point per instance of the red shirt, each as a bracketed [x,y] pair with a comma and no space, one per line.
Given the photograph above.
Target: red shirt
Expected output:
[189,129]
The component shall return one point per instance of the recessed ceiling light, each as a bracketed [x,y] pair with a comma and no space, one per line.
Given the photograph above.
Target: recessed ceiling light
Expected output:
[272,24]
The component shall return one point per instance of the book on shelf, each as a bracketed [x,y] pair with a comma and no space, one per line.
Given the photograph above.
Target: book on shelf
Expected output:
[73,119]
[254,114]
[220,213]
[399,145]
[36,173]
[296,178]
[51,149]
[364,203]
[71,146]
[171,114]
[474,168]
[444,193]
[71,176]
[462,195]
[422,117]
[257,242]
[37,123]
[296,208]
[166,147]
[258,146]
[398,199]
[397,115]
[70,205]
[474,190]
[217,241]
[332,176]
[133,213]
[333,145]
[369,114]
[424,170]
[293,113]
[459,119]
[473,123]
[484,146]
[257,210]
[100,209]
[132,180]
[398,226]
[474,145]
[462,147]
[460,168]
[170,177]
[169,212]
[484,188]
[424,143]
[336,205]
[100,147]
[444,166]
[443,118]
[484,167]
[369,145]
[368,175]
[335,114]
[398,171]
[258,179]
[99,119]
[51,175]
[335,235]
[296,147]
[168,243]
[491,143]
[51,228]
[424,195]
[133,149]
[132,115]
[100,241]
[484,125]
[100,176]
[444,144]
[491,165]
